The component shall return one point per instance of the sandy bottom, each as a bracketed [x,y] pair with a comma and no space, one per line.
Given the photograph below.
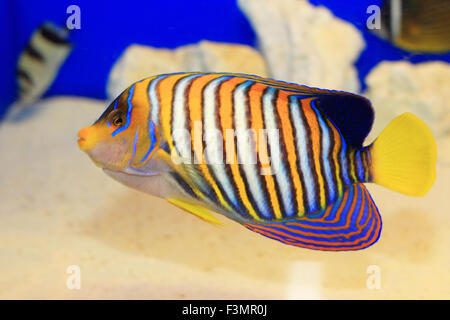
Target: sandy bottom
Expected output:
[57,210]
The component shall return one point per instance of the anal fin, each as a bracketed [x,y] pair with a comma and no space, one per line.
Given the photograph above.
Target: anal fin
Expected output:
[350,223]
[196,210]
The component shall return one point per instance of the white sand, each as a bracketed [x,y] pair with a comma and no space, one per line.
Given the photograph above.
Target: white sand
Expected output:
[57,209]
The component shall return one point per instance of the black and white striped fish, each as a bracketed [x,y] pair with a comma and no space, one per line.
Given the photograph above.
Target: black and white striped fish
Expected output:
[40,61]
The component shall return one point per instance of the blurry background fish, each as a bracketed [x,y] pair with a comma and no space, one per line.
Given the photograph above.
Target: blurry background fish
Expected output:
[416,25]
[40,62]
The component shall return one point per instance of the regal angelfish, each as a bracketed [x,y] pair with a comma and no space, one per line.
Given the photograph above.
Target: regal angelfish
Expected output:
[312,194]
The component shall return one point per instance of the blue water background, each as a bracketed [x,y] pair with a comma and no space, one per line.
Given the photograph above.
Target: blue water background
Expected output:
[108,27]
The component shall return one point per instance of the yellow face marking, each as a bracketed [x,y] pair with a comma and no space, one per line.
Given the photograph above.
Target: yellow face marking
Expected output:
[140,121]
[87,138]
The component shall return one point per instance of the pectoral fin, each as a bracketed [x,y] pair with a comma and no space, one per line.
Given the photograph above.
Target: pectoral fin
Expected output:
[196,210]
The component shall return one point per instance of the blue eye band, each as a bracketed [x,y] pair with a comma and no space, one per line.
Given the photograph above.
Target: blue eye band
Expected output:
[151,131]
[127,124]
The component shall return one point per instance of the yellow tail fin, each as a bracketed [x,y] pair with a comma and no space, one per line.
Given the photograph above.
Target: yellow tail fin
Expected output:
[404,156]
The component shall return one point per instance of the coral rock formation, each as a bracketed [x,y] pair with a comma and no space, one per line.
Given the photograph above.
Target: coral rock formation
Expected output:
[139,62]
[305,44]
[397,87]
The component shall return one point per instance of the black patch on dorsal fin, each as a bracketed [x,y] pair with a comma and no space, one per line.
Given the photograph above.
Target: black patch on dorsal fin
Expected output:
[352,114]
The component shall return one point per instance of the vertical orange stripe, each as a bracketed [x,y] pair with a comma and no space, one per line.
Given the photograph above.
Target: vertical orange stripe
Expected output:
[140,103]
[165,90]
[196,111]
[286,128]
[226,120]
[257,124]
[352,160]
[139,117]
[313,124]
[336,158]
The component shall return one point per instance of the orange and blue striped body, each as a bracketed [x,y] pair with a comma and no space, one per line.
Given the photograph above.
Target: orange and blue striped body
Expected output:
[313,191]
[284,160]
[316,164]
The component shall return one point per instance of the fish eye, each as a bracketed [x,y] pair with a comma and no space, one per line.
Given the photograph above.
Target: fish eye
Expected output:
[117,118]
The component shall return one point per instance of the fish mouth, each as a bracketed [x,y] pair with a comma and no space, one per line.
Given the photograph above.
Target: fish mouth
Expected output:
[86,139]
[81,143]
[87,144]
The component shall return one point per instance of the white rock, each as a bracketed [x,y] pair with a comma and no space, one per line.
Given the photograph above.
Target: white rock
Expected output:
[305,44]
[138,62]
[398,87]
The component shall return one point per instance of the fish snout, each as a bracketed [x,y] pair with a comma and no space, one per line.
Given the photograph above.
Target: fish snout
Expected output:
[85,139]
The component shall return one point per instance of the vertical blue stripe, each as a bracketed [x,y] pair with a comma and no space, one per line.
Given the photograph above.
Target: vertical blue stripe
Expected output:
[360,166]
[303,154]
[281,172]
[210,109]
[243,146]
[134,146]
[344,163]
[325,153]
[151,131]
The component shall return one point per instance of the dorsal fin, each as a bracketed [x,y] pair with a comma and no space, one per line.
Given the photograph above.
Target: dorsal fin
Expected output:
[352,114]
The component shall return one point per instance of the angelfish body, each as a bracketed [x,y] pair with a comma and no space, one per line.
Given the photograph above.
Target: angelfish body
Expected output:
[183,137]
